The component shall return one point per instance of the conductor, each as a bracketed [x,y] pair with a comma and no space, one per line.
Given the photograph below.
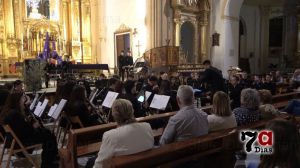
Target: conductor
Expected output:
[213,77]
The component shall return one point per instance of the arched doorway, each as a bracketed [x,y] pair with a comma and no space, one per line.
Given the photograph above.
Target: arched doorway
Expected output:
[187,34]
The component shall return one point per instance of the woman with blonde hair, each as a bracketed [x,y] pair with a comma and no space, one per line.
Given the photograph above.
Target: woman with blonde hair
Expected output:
[128,138]
[222,116]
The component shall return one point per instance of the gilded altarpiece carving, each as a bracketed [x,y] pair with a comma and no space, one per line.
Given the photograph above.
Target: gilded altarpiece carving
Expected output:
[23,33]
[195,12]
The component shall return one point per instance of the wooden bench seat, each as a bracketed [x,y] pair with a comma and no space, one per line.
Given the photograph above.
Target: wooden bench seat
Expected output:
[174,154]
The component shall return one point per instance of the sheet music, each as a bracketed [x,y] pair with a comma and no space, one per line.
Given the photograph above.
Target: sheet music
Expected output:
[42,107]
[31,107]
[160,102]
[52,109]
[147,95]
[59,108]
[109,99]
[37,108]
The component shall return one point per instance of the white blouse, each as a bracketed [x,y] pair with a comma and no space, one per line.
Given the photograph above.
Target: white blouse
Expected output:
[125,140]
[218,123]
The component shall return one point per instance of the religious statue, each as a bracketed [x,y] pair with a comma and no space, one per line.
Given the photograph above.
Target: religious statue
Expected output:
[34,5]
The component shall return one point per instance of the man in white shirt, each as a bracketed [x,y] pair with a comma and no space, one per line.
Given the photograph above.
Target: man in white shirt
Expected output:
[189,121]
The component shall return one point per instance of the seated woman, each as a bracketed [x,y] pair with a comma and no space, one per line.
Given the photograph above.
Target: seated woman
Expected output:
[222,117]
[248,112]
[131,95]
[266,109]
[78,107]
[28,130]
[130,137]
[286,147]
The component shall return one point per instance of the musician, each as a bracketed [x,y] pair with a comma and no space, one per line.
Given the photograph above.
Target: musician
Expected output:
[128,62]
[269,85]
[234,91]
[18,86]
[28,130]
[128,59]
[131,95]
[82,81]
[151,86]
[78,106]
[121,64]
[213,77]
[245,81]
[47,70]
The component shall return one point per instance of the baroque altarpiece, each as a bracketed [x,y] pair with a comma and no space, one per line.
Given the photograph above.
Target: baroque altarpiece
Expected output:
[24,25]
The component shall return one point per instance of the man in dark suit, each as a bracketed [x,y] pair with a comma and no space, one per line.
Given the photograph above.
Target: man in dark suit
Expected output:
[128,62]
[212,77]
[121,64]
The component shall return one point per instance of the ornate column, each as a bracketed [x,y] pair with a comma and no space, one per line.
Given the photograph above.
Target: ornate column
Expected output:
[75,19]
[265,12]
[2,35]
[178,24]
[67,30]
[203,22]
[86,30]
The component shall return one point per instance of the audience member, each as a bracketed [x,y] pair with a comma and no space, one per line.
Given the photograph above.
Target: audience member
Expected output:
[222,116]
[248,112]
[188,122]
[266,109]
[286,147]
[128,138]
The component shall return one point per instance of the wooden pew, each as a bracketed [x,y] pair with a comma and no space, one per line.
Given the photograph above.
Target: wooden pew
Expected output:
[282,100]
[174,154]
[87,140]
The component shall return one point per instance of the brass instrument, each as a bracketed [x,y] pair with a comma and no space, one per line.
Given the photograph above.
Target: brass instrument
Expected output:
[233,71]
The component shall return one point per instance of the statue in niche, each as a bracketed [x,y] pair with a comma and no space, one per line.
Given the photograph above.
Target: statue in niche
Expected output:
[37,9]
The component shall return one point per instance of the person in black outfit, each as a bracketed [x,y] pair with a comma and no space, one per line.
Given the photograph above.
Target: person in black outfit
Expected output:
[82,81]
[269,85]
[121,64]
[47,70]
[234,91]
[245,81]
[257,84]
[29,130]
[213,77]
[131,95]
[78,107]
[128,62]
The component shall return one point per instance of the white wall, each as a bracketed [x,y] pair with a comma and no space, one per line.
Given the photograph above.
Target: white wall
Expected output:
[225,21]
[129,12]
[251,17]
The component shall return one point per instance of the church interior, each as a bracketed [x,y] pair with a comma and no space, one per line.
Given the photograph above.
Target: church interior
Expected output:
[150,83]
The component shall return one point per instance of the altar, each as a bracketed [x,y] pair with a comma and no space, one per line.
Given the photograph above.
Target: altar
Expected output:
[25,25]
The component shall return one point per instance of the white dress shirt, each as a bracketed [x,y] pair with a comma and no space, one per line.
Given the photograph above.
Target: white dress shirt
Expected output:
[125,140]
